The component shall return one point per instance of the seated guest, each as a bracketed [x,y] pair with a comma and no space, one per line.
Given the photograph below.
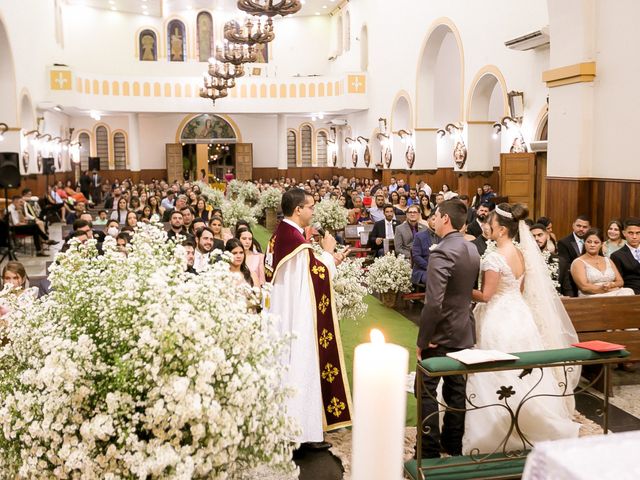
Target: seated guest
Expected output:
[447,193]
[51,204]
[238,263]
[189,249]
[403,240]
[425,209]
[145,214]
[402,205]
[420,257]
[32,209]
[541,236]
[181,202]
[614,241]
[78,210]
[546,221]
[570,248]
[198,223]
[218,232]
[431,228]
[439,199]
[21,226]
[112,228]
[205,244]
[254,260]
[122,240]
[488,195]
[377,211]
[175,225]
[475,227]
[627,259]
[132,219]
[101,219]
[594,274]
[121,211]
[187,219]
[76,195]
[201,209]
[382,229]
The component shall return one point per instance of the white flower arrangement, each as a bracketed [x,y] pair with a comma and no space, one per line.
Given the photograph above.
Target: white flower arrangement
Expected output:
[133,368]
[553,267]
[390,274]
[331,215]
[234,210]
[215,197]
[249,191]
[350,288]
[271,198]
[233,188]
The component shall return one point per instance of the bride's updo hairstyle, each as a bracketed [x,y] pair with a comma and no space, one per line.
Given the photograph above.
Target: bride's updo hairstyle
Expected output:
[508,216]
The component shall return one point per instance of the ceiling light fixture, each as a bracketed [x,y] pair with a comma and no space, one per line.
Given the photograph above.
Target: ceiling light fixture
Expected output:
[250,33]
[3,128]
[270,8]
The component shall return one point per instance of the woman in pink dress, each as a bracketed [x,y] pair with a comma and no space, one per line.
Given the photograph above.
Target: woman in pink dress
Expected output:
[253,258]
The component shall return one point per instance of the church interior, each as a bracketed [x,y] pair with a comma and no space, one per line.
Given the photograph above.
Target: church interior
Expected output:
[532,97]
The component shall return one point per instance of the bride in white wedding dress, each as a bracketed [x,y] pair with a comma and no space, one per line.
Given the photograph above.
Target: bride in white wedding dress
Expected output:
[518,311]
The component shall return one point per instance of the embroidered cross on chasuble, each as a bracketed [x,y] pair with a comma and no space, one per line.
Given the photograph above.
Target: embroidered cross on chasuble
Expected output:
[286,243]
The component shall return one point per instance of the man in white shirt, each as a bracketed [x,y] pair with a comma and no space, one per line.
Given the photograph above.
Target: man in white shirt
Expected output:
[424,186]
[393,186]
[384,229]
[377,212]
[204,247]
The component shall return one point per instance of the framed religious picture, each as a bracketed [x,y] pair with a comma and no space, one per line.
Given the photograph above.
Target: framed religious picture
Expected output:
[148,46]
[367,156]
[387,156]
[334,158]
[518,145]
[410,155]
[354,157]
[256,71]
[460,154]
[262,52]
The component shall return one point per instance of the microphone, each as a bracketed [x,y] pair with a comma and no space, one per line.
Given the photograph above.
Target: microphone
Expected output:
[318,229]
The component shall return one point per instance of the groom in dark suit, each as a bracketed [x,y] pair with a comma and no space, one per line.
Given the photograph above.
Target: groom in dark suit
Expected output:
[446,324]
[627,259]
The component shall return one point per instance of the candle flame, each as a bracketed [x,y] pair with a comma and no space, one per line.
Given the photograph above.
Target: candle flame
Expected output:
[376,336]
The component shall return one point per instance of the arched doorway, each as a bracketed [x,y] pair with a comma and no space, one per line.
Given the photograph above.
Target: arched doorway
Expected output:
[487,106]
[401,120]
[208,143]
[439,93]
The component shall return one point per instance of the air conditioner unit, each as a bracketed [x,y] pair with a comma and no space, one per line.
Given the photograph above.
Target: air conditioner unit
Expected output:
[538,146]
[338,122]
[532,40]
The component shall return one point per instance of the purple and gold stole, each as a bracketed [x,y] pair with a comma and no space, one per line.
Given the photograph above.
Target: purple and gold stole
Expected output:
[286,243]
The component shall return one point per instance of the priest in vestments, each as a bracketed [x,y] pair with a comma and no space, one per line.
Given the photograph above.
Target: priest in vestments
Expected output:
[302,298]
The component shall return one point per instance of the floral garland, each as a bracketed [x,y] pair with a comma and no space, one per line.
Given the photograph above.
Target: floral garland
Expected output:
[133,368]
[390,274]
[350,288]
[331,215]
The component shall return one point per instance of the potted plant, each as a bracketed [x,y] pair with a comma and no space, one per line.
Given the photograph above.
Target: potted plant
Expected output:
[390,275]
[270,201]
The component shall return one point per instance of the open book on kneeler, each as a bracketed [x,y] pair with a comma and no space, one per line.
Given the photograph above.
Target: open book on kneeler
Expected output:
[474,356]
[599,346]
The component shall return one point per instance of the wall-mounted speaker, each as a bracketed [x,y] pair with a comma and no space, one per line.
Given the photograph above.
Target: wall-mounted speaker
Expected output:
[9,170]
[94,163]
[48,165]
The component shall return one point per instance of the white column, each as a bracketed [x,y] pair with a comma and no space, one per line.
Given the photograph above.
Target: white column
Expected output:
[426,150]
[282,142]
[134,143]
[482,148]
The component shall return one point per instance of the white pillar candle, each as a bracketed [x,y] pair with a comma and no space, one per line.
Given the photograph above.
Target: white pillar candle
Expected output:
[379,383]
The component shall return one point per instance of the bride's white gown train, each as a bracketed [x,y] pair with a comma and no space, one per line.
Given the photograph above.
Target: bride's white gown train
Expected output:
[506,323]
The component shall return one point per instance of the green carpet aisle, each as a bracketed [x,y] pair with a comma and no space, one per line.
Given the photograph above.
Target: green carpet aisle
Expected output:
[395,327]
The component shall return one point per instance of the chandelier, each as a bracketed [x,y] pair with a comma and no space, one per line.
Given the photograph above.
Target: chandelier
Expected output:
[215,87]
[225,70]
[236,53]
[269,8]
[247,34]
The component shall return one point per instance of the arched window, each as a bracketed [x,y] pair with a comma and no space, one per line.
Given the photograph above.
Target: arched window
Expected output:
[102,147]
[292,149]
[176,41]
[321,149]
[148,46]
[205,36]
[306,145]
[346,27]
[85,144]
[364,49]
[339,35]
[120,151]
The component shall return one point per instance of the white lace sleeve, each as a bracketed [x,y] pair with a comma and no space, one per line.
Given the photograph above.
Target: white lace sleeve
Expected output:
[493,262]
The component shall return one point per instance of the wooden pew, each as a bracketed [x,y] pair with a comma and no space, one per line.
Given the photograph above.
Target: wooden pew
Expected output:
[608,319]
